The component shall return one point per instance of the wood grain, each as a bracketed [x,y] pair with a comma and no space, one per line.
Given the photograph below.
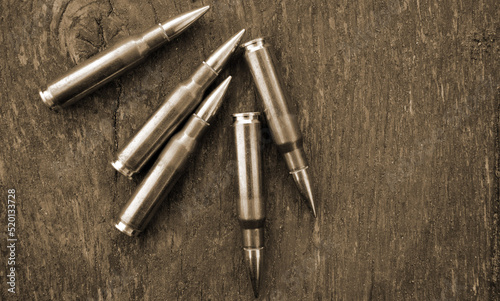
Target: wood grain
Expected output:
[399,105]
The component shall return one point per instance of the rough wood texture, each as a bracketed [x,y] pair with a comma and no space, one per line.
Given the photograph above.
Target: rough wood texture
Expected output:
[398,101]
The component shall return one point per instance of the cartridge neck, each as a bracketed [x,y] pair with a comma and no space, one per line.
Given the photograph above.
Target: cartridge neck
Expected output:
[203,76]
[295,159]
[195,127]
[153,38]
[253,238]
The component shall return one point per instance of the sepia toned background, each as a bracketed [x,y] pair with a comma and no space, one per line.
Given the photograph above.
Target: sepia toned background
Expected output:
[399,106]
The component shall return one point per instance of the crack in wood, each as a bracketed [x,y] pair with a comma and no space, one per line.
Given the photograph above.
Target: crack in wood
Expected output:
[150,2]
[59,20]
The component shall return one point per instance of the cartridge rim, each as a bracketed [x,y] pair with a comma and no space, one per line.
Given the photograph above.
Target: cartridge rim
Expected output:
[126,229]
[256,41]
[246,114]
[246,117]
[47,97]
[118,165]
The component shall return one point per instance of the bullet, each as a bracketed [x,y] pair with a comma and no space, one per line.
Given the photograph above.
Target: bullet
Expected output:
[167,169]
[175,109]
[283,124]
[250,205]
[112,62]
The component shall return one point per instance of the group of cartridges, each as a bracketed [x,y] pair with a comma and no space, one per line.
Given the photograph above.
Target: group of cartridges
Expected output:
[179,106]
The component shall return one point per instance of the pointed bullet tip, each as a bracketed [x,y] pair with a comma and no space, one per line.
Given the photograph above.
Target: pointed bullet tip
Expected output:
[312,205]
[221,55]
[202,10]
[241,33]
[224,85]
[301,178]
[314,210]
[254,260]
[211,104]
[175,26]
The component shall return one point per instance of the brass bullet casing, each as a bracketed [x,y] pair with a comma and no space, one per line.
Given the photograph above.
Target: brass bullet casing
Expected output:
[250,204]
[168,168]
[98,70]
[174,110]
[283,124]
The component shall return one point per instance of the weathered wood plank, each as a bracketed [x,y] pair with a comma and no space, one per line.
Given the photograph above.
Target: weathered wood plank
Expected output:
[398,102]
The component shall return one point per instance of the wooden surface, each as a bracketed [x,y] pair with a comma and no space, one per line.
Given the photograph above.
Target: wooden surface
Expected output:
[398,102]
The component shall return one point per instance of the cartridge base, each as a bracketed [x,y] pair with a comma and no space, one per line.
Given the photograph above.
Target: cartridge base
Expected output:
[47,99]
[124,228]
[122,169]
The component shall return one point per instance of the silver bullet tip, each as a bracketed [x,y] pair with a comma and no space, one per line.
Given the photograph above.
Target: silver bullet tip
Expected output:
[254,260]
[301,178]
[176,25]
[220,56]
[212,103]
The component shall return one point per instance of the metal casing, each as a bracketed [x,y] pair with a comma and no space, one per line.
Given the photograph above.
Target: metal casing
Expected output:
[250,204]
[101,68]
[98,70]
[283,124]
[170,164]
[162,124]
[175,109]
[161,178]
